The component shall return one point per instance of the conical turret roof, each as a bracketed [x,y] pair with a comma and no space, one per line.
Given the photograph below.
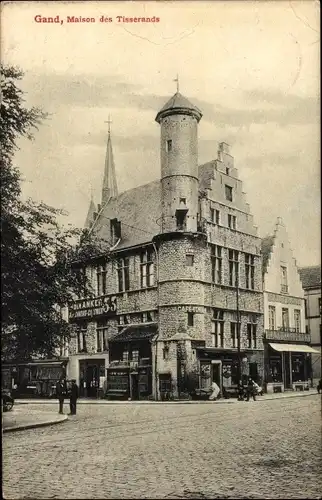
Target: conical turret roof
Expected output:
[178,104]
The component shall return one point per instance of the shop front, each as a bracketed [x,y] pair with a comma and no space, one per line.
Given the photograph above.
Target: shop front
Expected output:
[222,368]
[129,375]
[34,379]
[288,366]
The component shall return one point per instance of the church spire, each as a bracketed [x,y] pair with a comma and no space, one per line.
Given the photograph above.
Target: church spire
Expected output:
[109,181]
[90,214]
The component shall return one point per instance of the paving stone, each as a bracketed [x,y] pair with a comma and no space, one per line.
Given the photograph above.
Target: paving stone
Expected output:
[267,449]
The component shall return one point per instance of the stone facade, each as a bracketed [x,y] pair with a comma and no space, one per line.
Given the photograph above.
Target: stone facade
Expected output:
[199,258]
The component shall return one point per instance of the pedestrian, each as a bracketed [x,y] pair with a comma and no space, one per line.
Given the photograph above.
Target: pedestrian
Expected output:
[241,391]
[214,392]
[73,397]
[319,386]
[61,391]
[251,391]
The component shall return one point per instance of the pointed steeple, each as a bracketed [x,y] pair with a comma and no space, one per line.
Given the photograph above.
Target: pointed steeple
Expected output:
[92,210]
[109,181]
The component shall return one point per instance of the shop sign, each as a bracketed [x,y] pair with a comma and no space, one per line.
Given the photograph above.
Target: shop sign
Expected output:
[88,308]
[194,309]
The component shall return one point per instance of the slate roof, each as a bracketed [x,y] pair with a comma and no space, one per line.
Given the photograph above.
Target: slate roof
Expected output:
[138,209]
[267,246]
[310,276]
[136,332]
[177,102]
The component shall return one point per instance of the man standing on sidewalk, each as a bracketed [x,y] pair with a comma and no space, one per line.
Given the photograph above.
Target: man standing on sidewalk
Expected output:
[73,397]
[61,391]
[251,391]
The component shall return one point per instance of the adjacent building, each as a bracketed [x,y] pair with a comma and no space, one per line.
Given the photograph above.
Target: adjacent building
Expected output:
[311,282]
[178,298]
[287,349]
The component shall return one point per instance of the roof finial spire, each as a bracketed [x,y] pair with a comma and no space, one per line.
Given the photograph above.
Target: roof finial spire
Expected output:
[91,192]
[109,181]
[109,121]
[177,80]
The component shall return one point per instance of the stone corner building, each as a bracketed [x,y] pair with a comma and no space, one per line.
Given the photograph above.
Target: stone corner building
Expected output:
[183,271]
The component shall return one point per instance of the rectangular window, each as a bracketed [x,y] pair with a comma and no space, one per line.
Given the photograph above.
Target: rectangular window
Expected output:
[250,271]
[228,192]
[217,328]
[147,269]
[181,220]
[102,336]
[123,274]
[215,216]
[233,257]
[284,285]
[252,335]
[216,263]
[135,356]
[125,356]
[233,333]
[190,260]
[169,146]
[297,320]
[272,317]
[285,319]
[232,221]
[81,339]
[124,319]
[101,280]
[147,317]
[190,316]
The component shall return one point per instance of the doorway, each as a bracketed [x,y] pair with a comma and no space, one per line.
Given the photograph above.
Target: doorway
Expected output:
[287,370]
[92,373]
[216,373]
[134,386]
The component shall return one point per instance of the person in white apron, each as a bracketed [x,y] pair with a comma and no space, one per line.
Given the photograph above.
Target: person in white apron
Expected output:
[215,392]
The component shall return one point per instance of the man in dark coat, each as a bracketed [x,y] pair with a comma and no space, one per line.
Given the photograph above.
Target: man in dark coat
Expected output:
[251,391]
[61,391]
[73,397]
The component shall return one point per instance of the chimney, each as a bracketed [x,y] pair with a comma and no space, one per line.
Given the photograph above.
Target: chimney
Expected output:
[224,148]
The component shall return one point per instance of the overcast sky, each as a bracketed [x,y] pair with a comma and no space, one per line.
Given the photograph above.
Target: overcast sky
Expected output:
[251,67]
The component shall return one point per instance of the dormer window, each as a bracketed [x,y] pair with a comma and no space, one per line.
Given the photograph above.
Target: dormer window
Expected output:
[168,146]
[115,227]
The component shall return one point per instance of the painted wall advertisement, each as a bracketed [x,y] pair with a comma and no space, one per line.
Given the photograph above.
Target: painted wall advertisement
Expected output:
[88,308]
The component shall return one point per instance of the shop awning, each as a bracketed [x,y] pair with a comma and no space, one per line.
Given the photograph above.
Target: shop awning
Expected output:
[136,332]
[293,348]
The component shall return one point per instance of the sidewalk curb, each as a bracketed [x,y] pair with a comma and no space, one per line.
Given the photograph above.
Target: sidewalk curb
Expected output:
[35,425]
[107,402]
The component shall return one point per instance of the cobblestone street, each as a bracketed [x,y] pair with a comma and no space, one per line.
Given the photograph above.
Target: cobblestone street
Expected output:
[264,449]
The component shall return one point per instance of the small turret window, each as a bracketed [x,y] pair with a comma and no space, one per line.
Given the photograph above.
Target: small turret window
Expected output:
[169,146]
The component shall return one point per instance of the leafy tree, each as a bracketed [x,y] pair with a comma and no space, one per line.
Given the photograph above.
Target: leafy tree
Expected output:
[40,260]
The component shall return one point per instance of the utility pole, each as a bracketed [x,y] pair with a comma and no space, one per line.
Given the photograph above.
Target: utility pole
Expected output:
[238,325]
